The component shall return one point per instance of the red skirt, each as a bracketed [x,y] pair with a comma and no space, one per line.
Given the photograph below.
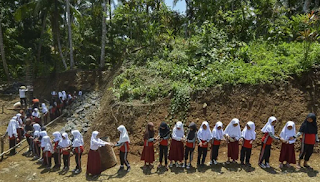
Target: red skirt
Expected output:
[94,163]
[148,154]
[176,152]
[233,150]
[287,153]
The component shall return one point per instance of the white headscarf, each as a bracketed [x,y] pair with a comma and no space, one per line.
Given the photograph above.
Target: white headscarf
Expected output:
[60,95]
[124,137]
[178,134]
[217,134]
[47,144]
[286,133]
[37,127]
[64,95]
[43,134]
[57,136]
[20,122]
[95,142]
[204,134]
[77,138]
[12,128]
[233,131]
[65,142]
[35,113]
[268,127]
[249,134]
[44,108]
[36,134]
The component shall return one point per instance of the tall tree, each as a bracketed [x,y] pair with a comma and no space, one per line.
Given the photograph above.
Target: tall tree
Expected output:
[104,32]
[3,57]
[70,34]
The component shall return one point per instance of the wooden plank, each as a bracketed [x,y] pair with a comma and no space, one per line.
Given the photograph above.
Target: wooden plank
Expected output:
[2,147]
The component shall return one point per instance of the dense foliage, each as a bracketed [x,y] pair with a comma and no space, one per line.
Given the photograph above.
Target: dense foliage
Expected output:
[164,53]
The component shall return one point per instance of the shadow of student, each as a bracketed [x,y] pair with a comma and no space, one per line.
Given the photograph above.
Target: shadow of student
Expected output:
[177,170]
[270,170]
[191,170]
[203,168]
[217,168]
[161,170]
[119,174]
[63,172]
[92,177]
[310,172]
[146,170]
[45,170]
[248,169]
[232,167]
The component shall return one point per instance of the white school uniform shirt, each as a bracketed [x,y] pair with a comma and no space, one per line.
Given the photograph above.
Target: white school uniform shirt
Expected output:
[124,137]
[217,134]
[80,93]
[22,93]
[43,134]
[64,143]
[78,139]
[178,134]
[12,128]
[233,132]
[249,134]
[204,134]
[44,108]
[95,142]
[268,128]
[47,144]
[286,133]
[35,113]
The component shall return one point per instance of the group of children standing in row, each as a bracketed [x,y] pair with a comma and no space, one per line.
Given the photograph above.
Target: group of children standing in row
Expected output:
[42,148]
[60,100]
[182,146]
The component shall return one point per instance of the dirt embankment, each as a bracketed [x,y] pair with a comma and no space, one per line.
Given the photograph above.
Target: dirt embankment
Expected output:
[288,100]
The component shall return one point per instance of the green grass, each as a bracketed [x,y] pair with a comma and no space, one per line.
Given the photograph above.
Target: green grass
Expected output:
[255,63]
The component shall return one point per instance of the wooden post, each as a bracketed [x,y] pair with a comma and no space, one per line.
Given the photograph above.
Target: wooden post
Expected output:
[2,146]
[2,109]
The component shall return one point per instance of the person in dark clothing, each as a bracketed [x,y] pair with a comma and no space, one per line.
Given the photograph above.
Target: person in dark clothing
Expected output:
[190,144]
[309,132]
[164,135]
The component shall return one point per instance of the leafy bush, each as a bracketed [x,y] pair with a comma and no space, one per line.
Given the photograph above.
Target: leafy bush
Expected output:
[207,59]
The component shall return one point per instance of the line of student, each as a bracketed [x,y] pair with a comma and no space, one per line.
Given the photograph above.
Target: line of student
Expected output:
[182,146]
[43,148]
